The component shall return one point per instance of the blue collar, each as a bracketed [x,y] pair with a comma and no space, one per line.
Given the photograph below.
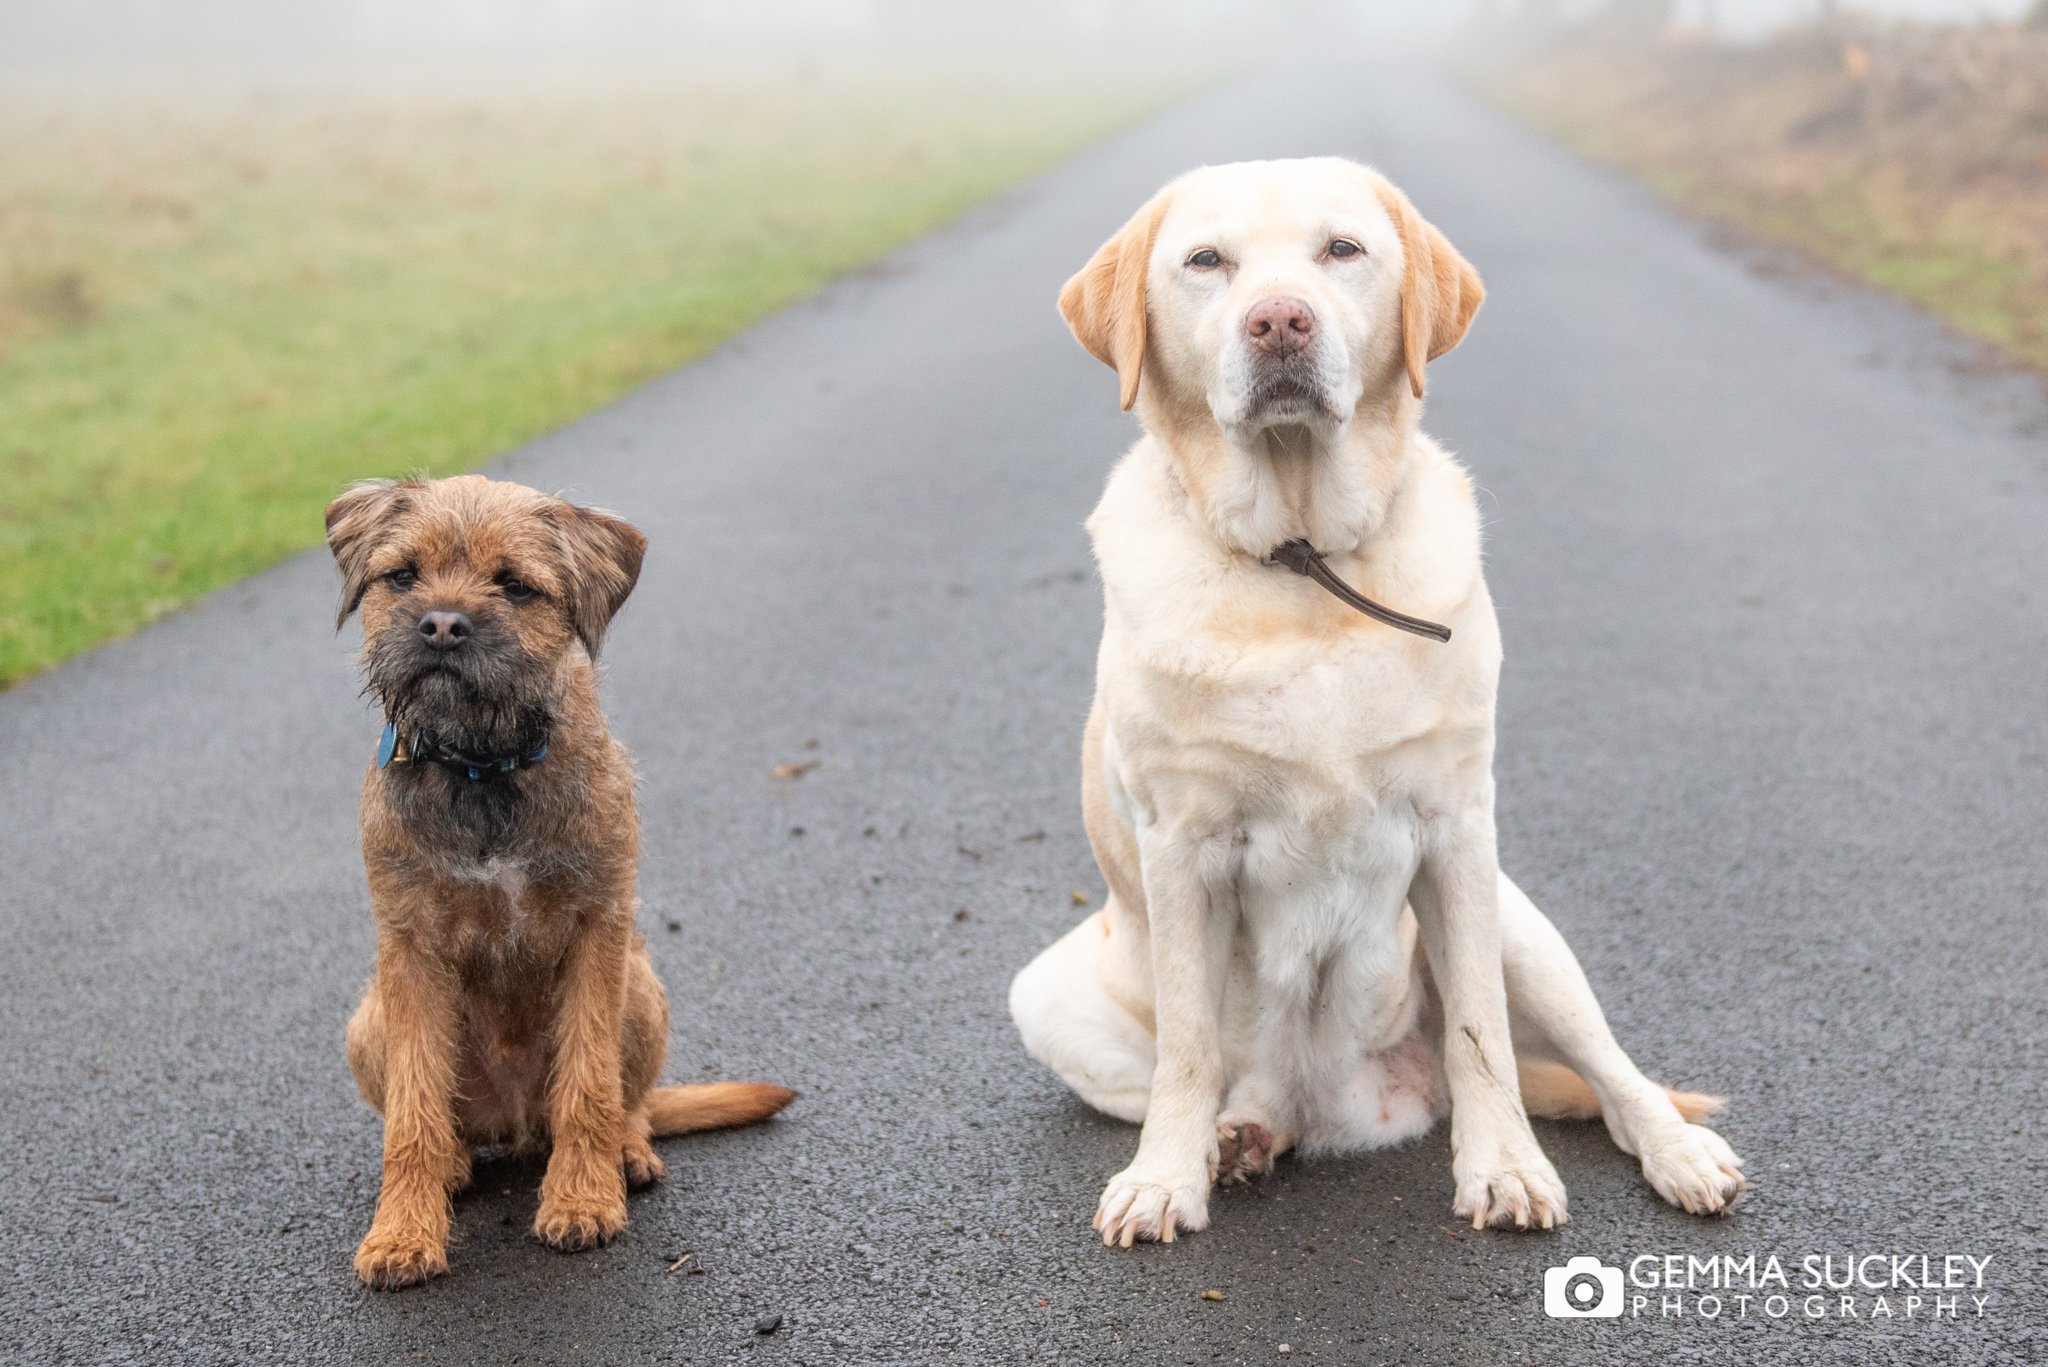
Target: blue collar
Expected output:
[420,747]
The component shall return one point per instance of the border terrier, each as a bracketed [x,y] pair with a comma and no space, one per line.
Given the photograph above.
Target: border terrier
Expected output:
[513,1001]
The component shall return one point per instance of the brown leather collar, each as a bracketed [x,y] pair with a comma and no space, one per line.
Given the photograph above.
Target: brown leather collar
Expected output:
[1306,560]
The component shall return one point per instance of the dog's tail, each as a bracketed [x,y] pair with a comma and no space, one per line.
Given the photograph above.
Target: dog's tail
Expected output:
[1555,1092]
[713,1105]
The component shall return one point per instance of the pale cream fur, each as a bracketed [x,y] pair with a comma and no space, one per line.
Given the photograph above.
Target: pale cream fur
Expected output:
[1308,941]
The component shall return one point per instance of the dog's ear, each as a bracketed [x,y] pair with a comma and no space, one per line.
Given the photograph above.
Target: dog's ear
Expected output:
[1439,289]
[1105,301]
[602,554]
[355,524]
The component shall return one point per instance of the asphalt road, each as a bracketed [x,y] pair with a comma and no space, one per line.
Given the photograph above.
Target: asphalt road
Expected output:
[1768,552]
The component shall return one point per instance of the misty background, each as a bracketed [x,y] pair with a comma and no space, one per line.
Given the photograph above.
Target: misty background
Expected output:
[251,250]
[324,38]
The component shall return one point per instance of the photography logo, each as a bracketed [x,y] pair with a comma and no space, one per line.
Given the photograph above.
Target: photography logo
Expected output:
[1848,1285]
[1583,1289]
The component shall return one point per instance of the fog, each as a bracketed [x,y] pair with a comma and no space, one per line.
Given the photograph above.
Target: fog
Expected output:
[1754,18]
[281,38]
[286,39]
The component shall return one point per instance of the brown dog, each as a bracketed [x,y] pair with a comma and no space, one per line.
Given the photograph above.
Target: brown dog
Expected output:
[513,1000]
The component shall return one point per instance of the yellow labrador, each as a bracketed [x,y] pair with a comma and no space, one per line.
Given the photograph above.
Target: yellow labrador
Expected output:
[1288,784]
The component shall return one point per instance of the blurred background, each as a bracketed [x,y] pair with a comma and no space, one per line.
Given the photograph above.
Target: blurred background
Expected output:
[253,249]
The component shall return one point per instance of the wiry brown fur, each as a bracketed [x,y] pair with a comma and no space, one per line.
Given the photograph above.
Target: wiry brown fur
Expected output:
[513,1001]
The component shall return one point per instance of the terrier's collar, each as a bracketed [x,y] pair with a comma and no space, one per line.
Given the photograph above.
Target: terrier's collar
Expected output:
[401,745]
[1306,560]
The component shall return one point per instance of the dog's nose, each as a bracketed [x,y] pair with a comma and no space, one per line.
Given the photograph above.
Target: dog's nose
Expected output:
[1280,327]
[445,630]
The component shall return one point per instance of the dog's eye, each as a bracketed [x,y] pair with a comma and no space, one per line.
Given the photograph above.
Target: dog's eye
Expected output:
[516,590]
[402,579]
[1207,259]
[1341,247]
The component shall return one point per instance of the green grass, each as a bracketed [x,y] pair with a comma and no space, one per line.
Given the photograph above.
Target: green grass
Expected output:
[215,315]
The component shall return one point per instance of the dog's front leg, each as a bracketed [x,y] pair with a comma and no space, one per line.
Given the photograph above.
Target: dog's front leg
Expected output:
[1501,1175]
[1188,879]
[424,1157]
[583,1195]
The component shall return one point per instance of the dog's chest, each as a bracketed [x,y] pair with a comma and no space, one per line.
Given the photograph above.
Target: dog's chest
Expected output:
[1308,740]
[1339,716]
[1319,761]
[502,927]
[1312,880]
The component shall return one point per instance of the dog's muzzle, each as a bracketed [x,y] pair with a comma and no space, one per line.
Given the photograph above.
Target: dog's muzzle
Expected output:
[460,677]
[1287,387]
[1284,347]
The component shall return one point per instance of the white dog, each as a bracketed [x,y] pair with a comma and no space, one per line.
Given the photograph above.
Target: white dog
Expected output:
[1308,941]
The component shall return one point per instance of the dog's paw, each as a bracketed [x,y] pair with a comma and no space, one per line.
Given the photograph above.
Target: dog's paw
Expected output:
[1694,1169]
[1521,1192]
[388,1261]
[642,1164]
[1136,1206]
[571,1226]
[1244,1150]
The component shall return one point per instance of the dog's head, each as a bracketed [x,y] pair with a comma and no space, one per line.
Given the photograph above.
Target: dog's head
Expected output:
[480,599]
[1273,293]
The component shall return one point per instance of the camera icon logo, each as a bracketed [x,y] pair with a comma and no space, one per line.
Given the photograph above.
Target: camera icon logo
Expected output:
[1583,1289]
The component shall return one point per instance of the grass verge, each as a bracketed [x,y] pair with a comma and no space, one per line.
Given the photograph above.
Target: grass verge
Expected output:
[1913,157]
[215,313]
